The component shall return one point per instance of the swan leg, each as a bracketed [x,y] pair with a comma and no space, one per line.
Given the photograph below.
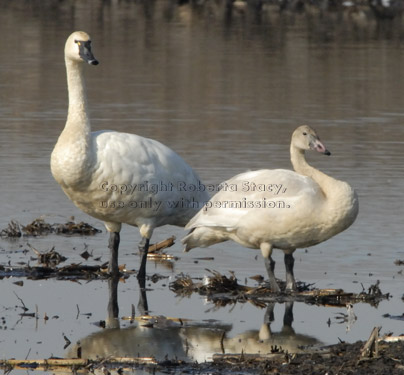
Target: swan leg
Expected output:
[143,248]
[290,278]
[266,251]
[113,246]
[270,266]
[113,308]
[142,304]
[265,330]
[269,316]
[288,315]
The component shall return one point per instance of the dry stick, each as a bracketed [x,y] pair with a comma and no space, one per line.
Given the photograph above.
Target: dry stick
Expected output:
[23,304]
[391,338]
[37,252]
[221,342]
[249,357]
[371,349]
[43,363]
[162,245]
[36,317]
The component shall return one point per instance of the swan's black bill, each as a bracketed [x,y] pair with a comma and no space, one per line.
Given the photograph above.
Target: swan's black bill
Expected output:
[85,52]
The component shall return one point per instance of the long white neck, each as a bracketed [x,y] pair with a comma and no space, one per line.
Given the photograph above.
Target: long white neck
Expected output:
[300,165]
[72,156]
[78,122]
[340,200]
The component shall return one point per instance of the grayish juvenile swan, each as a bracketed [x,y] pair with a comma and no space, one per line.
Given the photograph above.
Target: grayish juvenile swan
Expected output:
[277,208]
[118,177]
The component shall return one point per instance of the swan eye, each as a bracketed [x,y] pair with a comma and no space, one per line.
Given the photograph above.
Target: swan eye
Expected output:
[79,43]
[304,133]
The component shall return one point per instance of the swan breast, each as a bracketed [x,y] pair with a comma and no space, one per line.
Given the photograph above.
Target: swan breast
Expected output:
[71,164]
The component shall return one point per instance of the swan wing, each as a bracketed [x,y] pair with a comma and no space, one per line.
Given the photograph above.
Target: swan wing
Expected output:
[129,172]
[129,158]
[262,196]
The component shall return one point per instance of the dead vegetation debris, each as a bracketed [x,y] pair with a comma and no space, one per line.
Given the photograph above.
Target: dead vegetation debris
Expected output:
[50,258]
[342,359]
[221,290]
[82,228]
[69,272]
[13,230]
[395,317]
[41,228]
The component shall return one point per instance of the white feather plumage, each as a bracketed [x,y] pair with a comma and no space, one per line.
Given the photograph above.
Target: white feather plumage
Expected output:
[107,174]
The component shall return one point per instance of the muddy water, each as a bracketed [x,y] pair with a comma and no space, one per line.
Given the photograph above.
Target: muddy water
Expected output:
[225,93]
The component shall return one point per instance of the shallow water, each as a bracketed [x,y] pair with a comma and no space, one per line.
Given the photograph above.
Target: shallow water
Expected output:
[226,96]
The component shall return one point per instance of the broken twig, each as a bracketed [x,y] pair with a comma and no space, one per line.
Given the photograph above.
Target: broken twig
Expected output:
[371,349]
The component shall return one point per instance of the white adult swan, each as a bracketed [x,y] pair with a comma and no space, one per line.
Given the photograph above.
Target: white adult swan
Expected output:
[297,209]
[117,177]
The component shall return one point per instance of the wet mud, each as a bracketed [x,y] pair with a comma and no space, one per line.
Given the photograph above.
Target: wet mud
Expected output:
[341,359]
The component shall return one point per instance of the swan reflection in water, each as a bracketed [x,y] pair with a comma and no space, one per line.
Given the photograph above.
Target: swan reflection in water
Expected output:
[164,338]
[204,343]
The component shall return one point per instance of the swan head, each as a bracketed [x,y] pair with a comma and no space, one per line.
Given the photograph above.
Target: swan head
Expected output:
[78,48]
[306,138]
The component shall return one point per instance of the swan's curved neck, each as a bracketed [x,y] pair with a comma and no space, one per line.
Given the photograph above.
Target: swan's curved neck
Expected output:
[77,117]
[300,165]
